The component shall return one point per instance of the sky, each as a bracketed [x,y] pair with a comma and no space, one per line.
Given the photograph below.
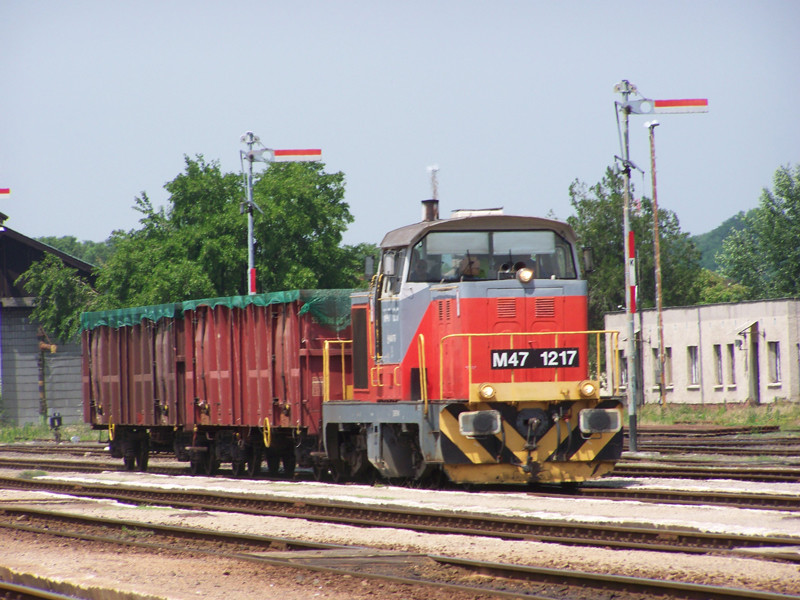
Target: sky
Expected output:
[512,100]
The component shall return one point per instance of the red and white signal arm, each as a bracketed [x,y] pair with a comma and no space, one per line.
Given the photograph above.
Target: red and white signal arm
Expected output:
[304,155]
[648,107]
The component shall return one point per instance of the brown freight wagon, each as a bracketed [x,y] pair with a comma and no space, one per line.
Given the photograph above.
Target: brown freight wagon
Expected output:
[237,379]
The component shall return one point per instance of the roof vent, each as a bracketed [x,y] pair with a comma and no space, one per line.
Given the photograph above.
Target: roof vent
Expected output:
[476,212]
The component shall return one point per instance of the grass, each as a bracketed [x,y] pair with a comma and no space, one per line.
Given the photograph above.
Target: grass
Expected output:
[41,431]
[783,414]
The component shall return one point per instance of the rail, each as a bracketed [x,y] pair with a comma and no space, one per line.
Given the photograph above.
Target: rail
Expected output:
[612,344]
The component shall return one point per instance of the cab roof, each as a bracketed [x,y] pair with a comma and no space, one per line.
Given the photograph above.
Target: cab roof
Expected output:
[411,234]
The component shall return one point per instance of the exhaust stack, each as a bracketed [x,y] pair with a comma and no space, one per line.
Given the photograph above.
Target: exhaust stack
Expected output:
[430,210]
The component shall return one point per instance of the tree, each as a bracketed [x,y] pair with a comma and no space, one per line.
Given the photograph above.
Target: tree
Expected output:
[714,288]
[94,253]
[196,245]
[764,256]
[61,296]
[299,232]
[598,221]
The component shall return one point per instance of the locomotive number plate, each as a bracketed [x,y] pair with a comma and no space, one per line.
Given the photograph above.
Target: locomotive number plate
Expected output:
[535,358]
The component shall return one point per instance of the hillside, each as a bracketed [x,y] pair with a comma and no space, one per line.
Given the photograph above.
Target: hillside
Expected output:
[710,243]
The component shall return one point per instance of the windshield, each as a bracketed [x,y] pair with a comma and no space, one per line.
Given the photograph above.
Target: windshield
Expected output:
[482,255]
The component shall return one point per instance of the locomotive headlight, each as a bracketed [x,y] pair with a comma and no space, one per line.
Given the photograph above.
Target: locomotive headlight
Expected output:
[525,275]
[479,422]
[600,420]
[587,389]
[486,391]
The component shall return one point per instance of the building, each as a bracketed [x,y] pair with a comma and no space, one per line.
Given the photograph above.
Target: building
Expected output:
[27,354]
[718,353]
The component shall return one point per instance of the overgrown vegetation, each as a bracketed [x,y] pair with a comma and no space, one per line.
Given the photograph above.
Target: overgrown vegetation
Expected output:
[41,431]
[782,414]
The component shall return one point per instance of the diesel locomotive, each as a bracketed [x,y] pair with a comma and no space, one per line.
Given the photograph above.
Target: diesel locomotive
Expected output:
[467,358]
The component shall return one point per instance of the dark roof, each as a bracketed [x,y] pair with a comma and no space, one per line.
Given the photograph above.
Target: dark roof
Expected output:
[18,252]
[411,234]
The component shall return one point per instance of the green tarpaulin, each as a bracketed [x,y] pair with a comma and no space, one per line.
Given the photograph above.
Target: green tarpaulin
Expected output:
[329,307]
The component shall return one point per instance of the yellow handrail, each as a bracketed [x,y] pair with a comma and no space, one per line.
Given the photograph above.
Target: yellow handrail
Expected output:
[326,368]
[422,373]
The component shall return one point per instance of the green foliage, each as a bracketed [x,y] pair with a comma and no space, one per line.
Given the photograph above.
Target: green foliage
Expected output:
[764,256]
[714,288]
[61,295]
[299,232]
[94,253]
[709,244]
[196,247]
[598,221]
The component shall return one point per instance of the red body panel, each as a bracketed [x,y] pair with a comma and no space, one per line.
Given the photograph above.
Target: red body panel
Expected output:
[453,360]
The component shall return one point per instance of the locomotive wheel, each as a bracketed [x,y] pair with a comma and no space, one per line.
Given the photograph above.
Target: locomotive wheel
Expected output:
[130,462]
[339,471]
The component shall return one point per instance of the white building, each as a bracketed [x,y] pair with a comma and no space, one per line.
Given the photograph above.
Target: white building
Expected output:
[718,353]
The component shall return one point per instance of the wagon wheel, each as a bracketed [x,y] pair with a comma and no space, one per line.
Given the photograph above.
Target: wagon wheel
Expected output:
[211,463]
[143,456]
[238,467]
[129,461]
[320,471]
[274,464]
[289,463]
[254,463]
[195,466]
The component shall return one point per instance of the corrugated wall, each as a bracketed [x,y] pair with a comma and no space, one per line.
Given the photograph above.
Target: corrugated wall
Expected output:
[19,373]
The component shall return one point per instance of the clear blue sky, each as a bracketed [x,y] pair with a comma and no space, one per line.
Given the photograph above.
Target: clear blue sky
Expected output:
[512,100]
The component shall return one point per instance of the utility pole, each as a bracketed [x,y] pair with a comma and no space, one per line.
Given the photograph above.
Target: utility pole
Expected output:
[265,155]
[651,125]
[250,139]
[641,106]
[625,88]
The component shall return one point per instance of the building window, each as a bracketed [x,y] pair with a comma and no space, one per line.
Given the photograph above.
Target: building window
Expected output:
[774,350]
[623,368]
[693,368]
[731,365]
[718,364]
[668,367]
[656,368]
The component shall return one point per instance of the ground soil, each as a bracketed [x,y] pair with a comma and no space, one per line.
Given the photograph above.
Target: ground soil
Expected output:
[182,576]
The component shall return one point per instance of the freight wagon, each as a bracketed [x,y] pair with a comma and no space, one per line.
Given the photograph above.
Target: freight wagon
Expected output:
[468,357]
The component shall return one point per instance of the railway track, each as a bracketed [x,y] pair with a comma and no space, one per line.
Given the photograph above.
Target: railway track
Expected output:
[601,490]
[661,539]
[461,578]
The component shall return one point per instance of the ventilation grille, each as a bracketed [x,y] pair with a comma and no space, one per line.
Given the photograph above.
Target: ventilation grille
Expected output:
[506,308]
[444,310]
[545,308]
